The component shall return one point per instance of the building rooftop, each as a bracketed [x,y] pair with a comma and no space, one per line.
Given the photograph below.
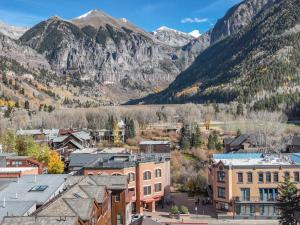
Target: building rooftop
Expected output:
[257,159]
[111,182]
[12,208]
[114,160]
[295,141]
[16,169]
[154,142]
[82,135]
[238,156]
[40,221]
[69,207]
[37,188]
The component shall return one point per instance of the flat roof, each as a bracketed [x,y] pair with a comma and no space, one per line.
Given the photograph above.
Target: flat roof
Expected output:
[16,169]
[255,160]
[154,142]
[238,156]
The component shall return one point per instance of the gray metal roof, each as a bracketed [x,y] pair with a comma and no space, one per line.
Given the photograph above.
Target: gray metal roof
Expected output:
[40,221]
[113,160]
[82,135]
[295,141]
[25,183]
[15,208]
[111,182]
[81,159]
[154,142]
[145,221]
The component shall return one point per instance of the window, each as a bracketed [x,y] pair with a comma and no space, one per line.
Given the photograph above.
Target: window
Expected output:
[268,194]
[39,188]
[158,173]
[116,174]
[286,175]
[249,177]
[245,209]
[221,192]
[221,176]
[296,177]
[275,177]
[260,177]
[245,194]
[147,175]
[117,197]
[131,177]
[132,190]
[240,177]
[17,163]
[147,190]
[157,187]
[268,177]
[119,219]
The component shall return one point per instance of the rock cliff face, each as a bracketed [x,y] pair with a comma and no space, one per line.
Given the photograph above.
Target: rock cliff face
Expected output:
[12,31]
[97,47]
[172,37]
[237,18]
[252,55]
[24,55]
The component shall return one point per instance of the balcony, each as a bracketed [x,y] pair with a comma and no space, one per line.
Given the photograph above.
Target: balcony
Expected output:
[254,199]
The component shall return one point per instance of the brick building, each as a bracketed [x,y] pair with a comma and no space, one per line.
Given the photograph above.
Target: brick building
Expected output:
[148,175]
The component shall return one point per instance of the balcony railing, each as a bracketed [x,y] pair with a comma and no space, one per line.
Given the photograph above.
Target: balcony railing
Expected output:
[254,199]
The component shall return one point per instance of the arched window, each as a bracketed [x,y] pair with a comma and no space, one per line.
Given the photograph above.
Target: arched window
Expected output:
[131,177]
[158,173]
[116,174]
[147,175]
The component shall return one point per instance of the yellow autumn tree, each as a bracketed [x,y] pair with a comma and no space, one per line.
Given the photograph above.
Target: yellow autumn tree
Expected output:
[116,134]
[55,165]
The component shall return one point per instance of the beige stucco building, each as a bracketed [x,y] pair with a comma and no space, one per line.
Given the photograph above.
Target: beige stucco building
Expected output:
[246,185]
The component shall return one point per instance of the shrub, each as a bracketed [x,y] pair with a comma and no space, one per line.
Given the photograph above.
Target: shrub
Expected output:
[184,209]
[174,209]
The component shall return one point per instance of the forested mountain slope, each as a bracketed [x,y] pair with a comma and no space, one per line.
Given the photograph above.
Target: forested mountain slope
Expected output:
[258,65]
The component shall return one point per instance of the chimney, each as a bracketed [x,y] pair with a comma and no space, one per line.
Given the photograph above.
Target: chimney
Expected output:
[4,203]
[16,195]
[34,178]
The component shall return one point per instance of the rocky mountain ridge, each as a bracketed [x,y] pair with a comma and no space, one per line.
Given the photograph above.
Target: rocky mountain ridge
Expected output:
[258,65]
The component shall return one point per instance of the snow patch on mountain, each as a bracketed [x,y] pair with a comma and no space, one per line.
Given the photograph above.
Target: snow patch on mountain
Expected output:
[172,37]
[195,33]
[12,31]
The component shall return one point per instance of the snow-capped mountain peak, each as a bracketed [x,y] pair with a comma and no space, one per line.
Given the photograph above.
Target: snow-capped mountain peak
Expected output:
[172,37]
[124,20]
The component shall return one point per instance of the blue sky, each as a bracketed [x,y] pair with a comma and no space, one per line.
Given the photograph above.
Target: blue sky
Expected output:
[184,15]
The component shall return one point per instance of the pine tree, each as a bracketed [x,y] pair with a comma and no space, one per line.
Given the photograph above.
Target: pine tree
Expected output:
[26,105]
[211,144]
[288,201]
[238,133]
[185,142]
[129,128]
[240,109]
[197,138]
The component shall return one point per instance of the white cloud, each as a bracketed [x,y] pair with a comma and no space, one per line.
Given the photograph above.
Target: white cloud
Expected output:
[194,20]
[195,33]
